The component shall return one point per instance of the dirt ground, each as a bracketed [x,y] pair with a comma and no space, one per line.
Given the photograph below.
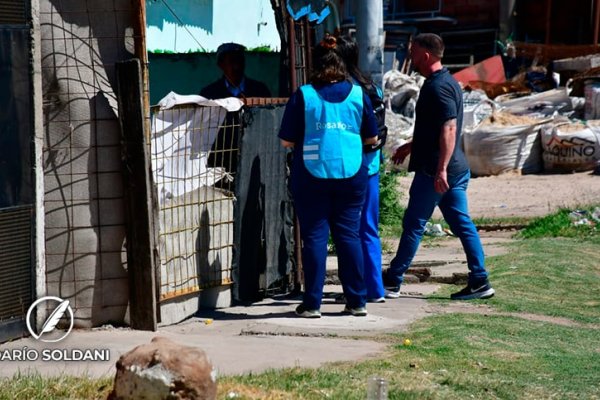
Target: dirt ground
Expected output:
[512,195]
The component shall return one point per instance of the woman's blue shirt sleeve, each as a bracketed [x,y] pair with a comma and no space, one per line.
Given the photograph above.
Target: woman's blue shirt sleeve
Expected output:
[292,124]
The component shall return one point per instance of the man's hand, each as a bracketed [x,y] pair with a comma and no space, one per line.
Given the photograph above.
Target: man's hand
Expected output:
[401,153]
[440,182]
[286,144]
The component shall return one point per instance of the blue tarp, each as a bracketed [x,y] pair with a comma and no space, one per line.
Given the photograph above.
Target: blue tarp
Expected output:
[317,10]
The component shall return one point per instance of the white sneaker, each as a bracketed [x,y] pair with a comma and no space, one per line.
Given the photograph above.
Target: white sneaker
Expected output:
[357,312]
[392,293]
[376,300]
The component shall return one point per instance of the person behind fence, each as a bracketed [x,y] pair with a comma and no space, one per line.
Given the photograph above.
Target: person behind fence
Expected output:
[369,219]
[231,60]
[441,172]
[327,122]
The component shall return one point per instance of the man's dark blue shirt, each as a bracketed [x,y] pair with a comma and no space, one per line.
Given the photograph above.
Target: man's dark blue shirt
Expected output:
[440,100]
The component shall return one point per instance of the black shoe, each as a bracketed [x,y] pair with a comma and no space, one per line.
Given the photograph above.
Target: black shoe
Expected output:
[391,291]
[340,299]
[478,291]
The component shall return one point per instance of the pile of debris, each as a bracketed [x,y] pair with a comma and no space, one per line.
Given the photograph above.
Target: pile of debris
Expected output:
[528,124]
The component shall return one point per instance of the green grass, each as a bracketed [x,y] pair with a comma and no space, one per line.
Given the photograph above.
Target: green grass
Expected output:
[35,387]
[259,49]
[504,221]
[497,353]
[557,277]
[390,211]
[453,356]
[561,225]
[457,356]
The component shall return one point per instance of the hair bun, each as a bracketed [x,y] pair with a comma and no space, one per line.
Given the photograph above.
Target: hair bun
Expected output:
[329,42]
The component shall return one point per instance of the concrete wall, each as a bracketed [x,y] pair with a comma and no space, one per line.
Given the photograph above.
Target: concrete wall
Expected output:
[83,197]
[188,73]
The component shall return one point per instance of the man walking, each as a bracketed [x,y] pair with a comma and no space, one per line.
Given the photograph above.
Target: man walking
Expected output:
[441,171]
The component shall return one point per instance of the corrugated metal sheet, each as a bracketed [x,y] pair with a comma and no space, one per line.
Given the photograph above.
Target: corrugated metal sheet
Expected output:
[13,12]
[16,270]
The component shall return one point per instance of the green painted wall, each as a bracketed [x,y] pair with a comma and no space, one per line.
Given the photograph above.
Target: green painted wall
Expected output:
[188,73]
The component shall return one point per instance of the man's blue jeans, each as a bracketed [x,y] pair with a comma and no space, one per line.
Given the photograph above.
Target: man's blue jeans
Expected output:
[453,204]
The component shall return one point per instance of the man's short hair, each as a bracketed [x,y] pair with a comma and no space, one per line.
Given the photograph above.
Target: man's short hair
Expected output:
[229,48]
[430,42]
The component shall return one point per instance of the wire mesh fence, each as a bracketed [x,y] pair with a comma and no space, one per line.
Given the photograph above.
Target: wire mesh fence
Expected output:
[194,161]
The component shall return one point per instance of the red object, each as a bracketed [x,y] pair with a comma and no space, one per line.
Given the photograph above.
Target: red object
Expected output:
[490,70]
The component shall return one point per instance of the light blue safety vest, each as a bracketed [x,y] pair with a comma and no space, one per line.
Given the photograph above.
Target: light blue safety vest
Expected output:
[332,146]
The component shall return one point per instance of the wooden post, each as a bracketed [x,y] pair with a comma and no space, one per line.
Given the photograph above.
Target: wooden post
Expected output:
[138,197]
[139,30]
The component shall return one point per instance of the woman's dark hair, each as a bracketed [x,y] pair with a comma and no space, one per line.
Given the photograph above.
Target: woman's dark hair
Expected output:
[328,65]
[348,49]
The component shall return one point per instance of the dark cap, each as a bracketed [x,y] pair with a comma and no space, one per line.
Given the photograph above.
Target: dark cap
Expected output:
[229,48]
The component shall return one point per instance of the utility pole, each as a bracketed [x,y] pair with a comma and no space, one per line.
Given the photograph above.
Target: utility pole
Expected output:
[370,38]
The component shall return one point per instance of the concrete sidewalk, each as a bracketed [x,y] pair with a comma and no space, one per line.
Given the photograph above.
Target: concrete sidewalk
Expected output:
[265,335]
[241,339]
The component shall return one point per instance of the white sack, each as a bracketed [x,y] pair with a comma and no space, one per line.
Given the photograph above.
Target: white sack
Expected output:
[569,147]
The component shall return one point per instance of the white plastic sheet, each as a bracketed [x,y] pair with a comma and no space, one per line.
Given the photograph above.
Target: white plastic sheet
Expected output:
[181,140]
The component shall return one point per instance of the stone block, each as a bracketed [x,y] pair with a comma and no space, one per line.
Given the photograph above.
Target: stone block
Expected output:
[109,159]
[60,268]
[112,238]
[110,185]
[56,215]
[216,297]
[114,265]
[58,241]
[163,369]
[108,132]
[112,211]
[84,214]
[115,292]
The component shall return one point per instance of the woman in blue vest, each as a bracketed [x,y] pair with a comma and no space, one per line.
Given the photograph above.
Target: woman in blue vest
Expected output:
[369,223]
[327,122]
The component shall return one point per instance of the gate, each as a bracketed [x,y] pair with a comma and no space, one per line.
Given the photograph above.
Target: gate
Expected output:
[194,160]
[17,213]
[216,223]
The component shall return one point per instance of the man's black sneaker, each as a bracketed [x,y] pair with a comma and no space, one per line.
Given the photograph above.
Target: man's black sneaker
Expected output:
[482,291]
[392,292]
[303,312]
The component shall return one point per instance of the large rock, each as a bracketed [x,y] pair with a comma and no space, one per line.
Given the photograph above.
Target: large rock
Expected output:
[164,370]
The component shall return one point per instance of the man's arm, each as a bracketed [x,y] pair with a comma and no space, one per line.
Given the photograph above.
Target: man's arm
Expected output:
[447,144]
